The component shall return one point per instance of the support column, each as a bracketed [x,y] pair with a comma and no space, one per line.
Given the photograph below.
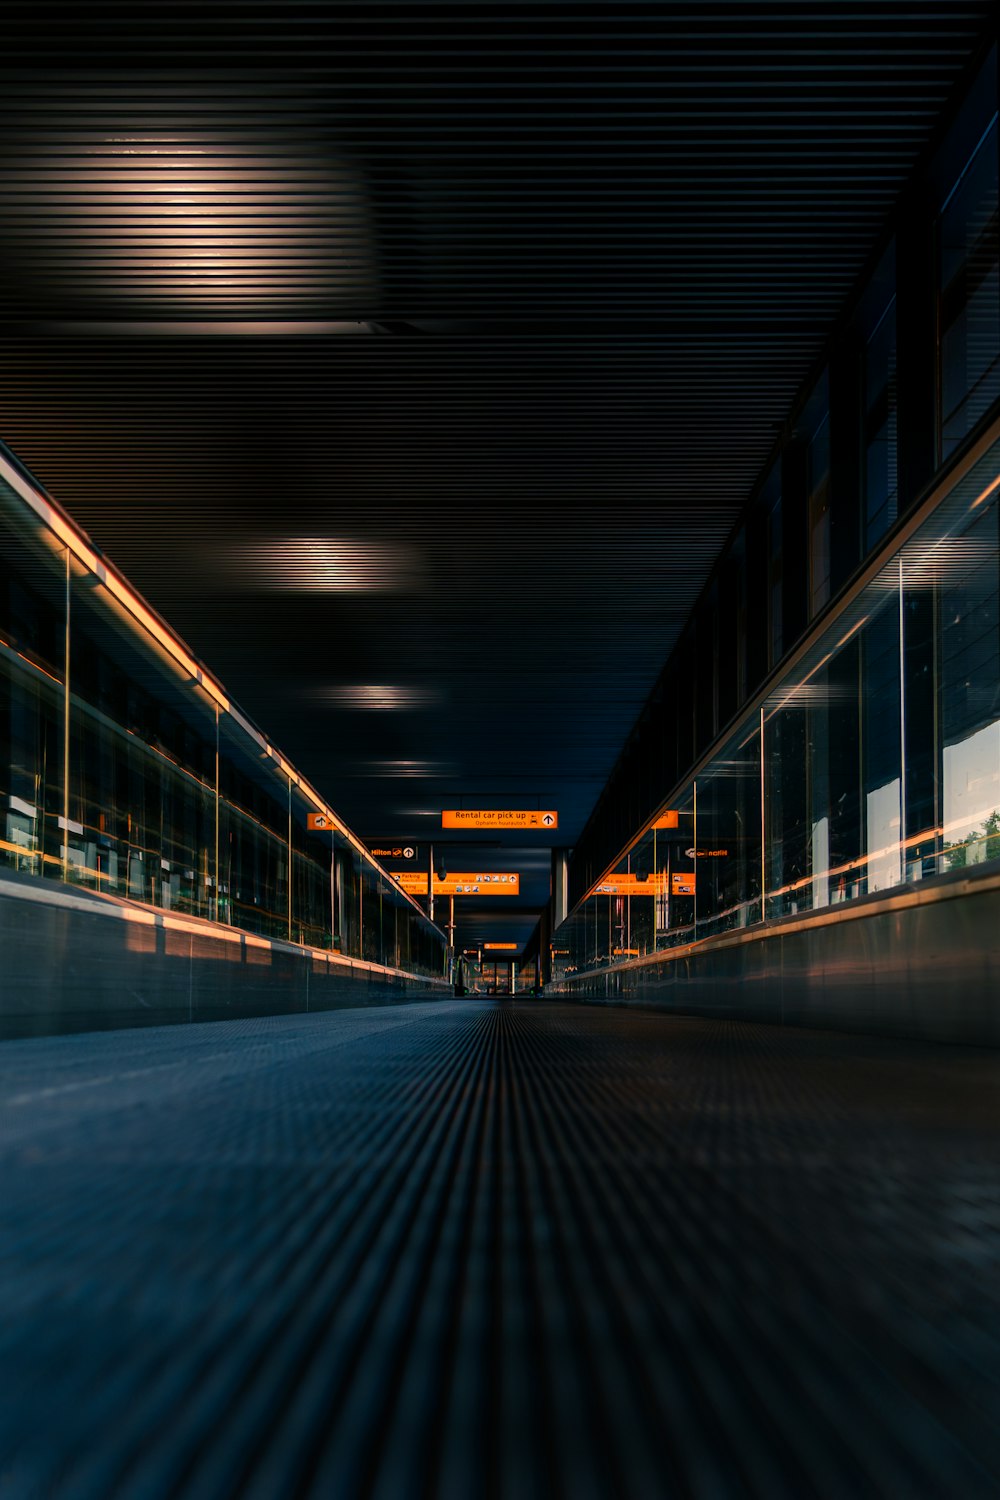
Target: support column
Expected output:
[544,964]
[560,887]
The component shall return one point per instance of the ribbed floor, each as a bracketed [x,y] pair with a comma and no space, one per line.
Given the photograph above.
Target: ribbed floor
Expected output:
[476,1249]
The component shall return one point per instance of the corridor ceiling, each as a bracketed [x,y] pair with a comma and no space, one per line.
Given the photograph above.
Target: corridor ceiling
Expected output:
[415,360]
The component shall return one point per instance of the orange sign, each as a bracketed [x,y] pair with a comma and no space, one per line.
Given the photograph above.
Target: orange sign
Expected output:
[529,818]
[667,820]
[408,852]
[490,884]
[682,883]
[627,885]
[625,953]
[505,947]
[319,822]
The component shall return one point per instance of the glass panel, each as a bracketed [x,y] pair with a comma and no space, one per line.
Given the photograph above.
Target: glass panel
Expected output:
[969,255]
[170,801]
[786,808]
[727,854]
[970,696]
[913,659]
[771,500]
[882,763]
[880,428]
[817,420]
[31,751]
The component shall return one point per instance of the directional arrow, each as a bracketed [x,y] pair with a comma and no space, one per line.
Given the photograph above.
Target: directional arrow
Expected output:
[548,820]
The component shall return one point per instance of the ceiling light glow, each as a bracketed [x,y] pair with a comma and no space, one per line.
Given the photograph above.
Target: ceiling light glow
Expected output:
[141,219]
[327,565]
[380,697]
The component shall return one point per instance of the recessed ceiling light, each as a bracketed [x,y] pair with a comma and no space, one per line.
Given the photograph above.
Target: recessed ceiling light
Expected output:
[400,769]
[326,565]
[215,222]
[379,696]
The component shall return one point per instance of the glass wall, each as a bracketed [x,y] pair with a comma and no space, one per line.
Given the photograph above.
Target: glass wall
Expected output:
[771,502]
[909,378]
[816,419]
[143,782]
[880,436]
[968,260]
[873,763]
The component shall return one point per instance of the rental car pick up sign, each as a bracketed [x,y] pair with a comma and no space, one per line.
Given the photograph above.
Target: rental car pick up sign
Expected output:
[501,818]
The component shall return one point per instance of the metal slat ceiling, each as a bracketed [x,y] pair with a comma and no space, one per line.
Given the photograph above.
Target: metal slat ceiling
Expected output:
[433,349]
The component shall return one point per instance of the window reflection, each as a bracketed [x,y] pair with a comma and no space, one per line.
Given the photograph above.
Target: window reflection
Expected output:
[771,501]
[969,266]
[970,696]
[159,802]
[817,419]
[877,762]
[880,427]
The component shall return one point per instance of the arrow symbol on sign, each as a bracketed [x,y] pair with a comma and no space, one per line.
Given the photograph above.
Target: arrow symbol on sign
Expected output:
[548,820]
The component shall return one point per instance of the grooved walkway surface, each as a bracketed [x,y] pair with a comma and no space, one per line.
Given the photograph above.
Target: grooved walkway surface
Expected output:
[473,1249]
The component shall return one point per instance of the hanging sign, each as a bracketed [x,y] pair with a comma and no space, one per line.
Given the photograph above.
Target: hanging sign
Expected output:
[491,884]
[628,885]
[501,947]
[525,818]
[319,822]
[682,883]
[397,850]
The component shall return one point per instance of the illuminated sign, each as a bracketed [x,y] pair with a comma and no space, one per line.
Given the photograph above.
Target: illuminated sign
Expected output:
[625,952]
[505,947]
[409,852]
[681,882]
[319,822]
[489,884]
[707,853]
[460,818]
[628,885]
[667,820]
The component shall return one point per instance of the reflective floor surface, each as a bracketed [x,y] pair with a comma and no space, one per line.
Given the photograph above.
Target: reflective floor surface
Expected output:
[478,1248]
